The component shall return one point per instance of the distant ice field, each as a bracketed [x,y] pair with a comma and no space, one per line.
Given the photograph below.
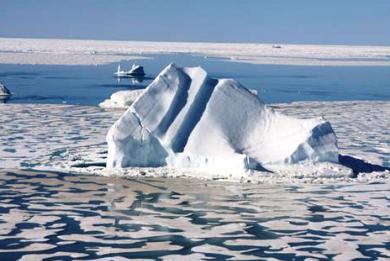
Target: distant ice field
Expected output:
[90,85]
[73,52]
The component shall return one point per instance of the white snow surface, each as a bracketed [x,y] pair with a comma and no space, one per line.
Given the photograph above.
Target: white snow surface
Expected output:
[185,119]
[135,70]
[79,146]
[121,99]
[61,51]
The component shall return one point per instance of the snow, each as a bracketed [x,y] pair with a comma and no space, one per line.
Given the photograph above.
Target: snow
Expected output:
[81,148]
[61,51]
[121,99]
[185,119]
[136,70]
[4,92]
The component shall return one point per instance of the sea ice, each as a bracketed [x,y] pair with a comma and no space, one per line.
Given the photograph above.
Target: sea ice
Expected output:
[185,119]
[80,148]
[136,70]
[121,99]
[4,92]
[72,52]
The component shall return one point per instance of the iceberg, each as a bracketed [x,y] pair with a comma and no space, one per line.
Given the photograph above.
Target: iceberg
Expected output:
[121,99]
[4,92]
[186,119]
[136,70]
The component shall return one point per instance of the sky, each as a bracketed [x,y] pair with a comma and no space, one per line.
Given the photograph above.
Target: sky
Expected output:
[355,22]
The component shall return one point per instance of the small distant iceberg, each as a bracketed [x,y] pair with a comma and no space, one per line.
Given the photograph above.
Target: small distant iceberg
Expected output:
[136,70]
[186,119]
[5,94]
[121,99]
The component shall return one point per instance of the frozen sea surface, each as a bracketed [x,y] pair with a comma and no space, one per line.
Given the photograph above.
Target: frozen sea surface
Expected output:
[76,142]
[72,52]
[136,214]
[77,217]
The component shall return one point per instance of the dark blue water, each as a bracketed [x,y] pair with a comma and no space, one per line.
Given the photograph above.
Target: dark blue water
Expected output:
[89,85]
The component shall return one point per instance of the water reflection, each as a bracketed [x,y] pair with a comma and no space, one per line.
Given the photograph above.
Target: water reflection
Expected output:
[4,99]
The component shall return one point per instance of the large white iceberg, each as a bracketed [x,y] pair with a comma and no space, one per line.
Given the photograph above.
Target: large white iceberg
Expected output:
[186,119]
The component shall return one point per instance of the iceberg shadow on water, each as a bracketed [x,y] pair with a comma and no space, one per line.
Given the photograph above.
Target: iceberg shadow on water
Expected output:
[360,166]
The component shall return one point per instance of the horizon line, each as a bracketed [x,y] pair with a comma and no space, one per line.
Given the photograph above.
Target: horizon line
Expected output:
[193,42]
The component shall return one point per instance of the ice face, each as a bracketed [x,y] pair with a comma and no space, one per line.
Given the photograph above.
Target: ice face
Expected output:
[186,119]
[137,70]
[4,91]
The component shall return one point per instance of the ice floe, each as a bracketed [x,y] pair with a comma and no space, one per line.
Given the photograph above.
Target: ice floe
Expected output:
[185,119]
[121,99]
[61,51]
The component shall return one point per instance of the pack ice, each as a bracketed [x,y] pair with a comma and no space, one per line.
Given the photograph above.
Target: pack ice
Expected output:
[186,119]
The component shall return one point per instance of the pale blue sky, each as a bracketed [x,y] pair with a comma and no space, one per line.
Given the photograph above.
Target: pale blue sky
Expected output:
[288,21]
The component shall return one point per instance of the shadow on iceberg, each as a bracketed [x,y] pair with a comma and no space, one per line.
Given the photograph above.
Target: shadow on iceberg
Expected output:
[185,119]
[359,166]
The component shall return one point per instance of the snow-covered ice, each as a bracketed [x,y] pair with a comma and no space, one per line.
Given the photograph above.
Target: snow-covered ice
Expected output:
[185,119]
[135,70]
[121,99]
[61,51]
[80,147]
[4,92]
